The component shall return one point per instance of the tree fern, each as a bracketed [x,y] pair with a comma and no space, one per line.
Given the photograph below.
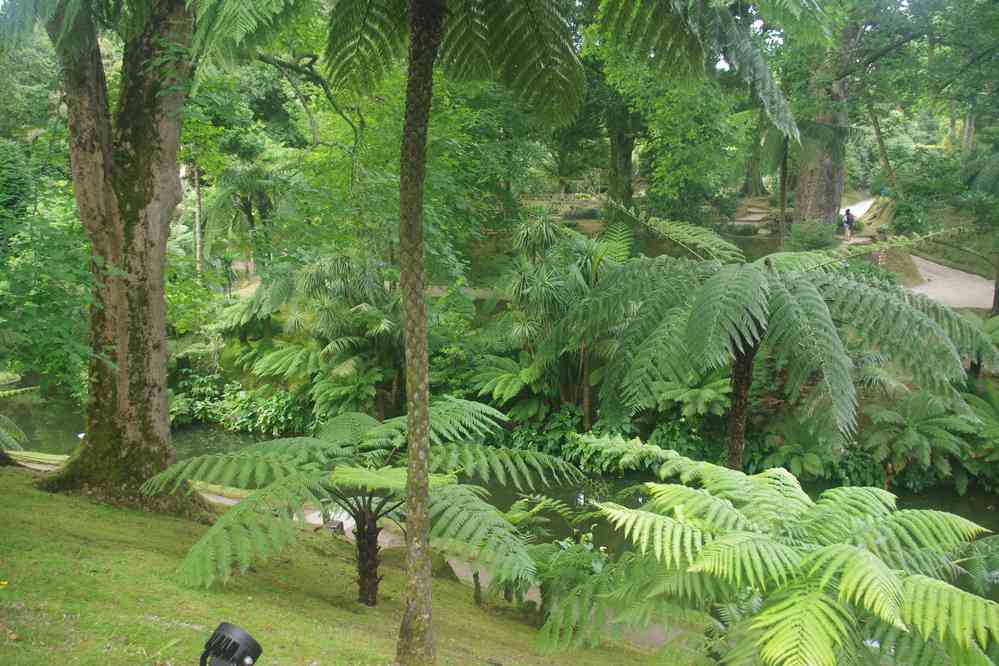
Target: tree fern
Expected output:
[619,241]
[522,469]
[791,581]
[729,314]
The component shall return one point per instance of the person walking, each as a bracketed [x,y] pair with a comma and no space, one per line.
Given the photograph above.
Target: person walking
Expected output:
[848,220]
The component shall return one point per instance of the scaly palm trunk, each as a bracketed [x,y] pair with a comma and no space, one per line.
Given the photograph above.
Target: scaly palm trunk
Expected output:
[426,24]
[366,532]
[127,185]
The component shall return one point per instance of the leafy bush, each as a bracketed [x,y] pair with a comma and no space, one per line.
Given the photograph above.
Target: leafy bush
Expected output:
[910,216]
[278,414]
[811,235]
[868,272]
[548,435]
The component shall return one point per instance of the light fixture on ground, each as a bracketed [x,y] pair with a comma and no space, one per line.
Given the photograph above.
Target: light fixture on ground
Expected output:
[230,646]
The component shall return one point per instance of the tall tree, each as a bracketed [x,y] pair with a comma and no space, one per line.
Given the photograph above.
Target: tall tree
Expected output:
[127,185]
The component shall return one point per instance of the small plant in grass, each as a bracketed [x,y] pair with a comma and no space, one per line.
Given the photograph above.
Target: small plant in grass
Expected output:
[357,466]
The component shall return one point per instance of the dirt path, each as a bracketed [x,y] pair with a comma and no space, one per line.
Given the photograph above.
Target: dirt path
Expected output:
[858,209]
[952,287]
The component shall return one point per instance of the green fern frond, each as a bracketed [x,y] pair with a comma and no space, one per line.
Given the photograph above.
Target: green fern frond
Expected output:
[716,513]
[347,428]
[619,240]
[748,558]
[12,438]
[253,530]
[487,463]
[365,38]
[805,343]
[699,242]
[729,315]
[804,627]
[670,541]
[463,521]
[391,480]
[939,610]
[255,466]
[225,27]
[861,578]
[614,453]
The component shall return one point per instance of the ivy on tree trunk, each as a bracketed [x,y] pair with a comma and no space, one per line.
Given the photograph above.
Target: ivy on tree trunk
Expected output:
[426,24]
[127,185]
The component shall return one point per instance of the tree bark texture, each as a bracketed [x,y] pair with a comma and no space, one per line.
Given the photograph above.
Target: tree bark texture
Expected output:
[742,380]
[822,175]
[366,533]
[753,185]
[127,185]
[426,22]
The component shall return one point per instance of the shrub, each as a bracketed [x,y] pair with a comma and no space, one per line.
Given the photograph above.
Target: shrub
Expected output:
[812,235]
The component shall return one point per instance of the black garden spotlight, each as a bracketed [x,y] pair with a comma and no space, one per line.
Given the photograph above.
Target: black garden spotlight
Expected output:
[230,646]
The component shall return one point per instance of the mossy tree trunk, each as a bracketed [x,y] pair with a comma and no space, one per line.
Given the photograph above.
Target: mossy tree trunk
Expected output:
[127,185]
[822,175]
[742,381]
[426,28]
[366,534]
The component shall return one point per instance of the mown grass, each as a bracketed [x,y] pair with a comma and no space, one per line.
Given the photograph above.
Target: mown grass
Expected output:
[92,584]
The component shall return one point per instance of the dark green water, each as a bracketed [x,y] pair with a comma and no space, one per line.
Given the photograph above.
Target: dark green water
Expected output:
[53,427]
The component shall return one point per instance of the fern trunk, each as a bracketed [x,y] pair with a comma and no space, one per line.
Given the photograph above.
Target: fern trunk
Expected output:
[366,536]
[127,185]
[426,28]
[742,380]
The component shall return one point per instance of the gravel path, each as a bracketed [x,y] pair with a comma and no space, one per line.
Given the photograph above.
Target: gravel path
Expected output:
[952,287]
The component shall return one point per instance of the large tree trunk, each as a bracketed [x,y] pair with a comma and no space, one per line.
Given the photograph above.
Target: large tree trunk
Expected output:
[742,380]
[426,24]
[366,533]
[127,185]
[822,176]
[753,185]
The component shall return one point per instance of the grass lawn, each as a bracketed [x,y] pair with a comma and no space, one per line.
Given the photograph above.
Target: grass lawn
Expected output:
[91,584]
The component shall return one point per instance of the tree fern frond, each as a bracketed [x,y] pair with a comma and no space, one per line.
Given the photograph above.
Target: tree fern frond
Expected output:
[391,480]
[803,627]
[225,27]
[700,242]
[861,578]
[463,521]
[255,466]
[257,528]
[748,558]
[12,438]
[729,314]
[619,239]
[670,541]
[939,610]
[365,39]
[694,503]
[614,453]
[804,341]
[347,428]
[487,463]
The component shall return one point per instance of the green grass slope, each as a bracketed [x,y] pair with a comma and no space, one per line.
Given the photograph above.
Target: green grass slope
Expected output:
[91,584]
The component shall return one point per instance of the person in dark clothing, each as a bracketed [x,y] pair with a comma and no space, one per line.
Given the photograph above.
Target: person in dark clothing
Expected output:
[848,220]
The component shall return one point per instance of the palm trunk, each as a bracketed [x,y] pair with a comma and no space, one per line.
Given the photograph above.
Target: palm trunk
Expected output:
[426,23]
[477,588]
[882,150]
[127,185]
[742,380]
[366,533]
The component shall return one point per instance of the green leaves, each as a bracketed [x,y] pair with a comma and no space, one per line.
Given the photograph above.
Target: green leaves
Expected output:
[670,541]
[729,315]
[803,627]
[938,609]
